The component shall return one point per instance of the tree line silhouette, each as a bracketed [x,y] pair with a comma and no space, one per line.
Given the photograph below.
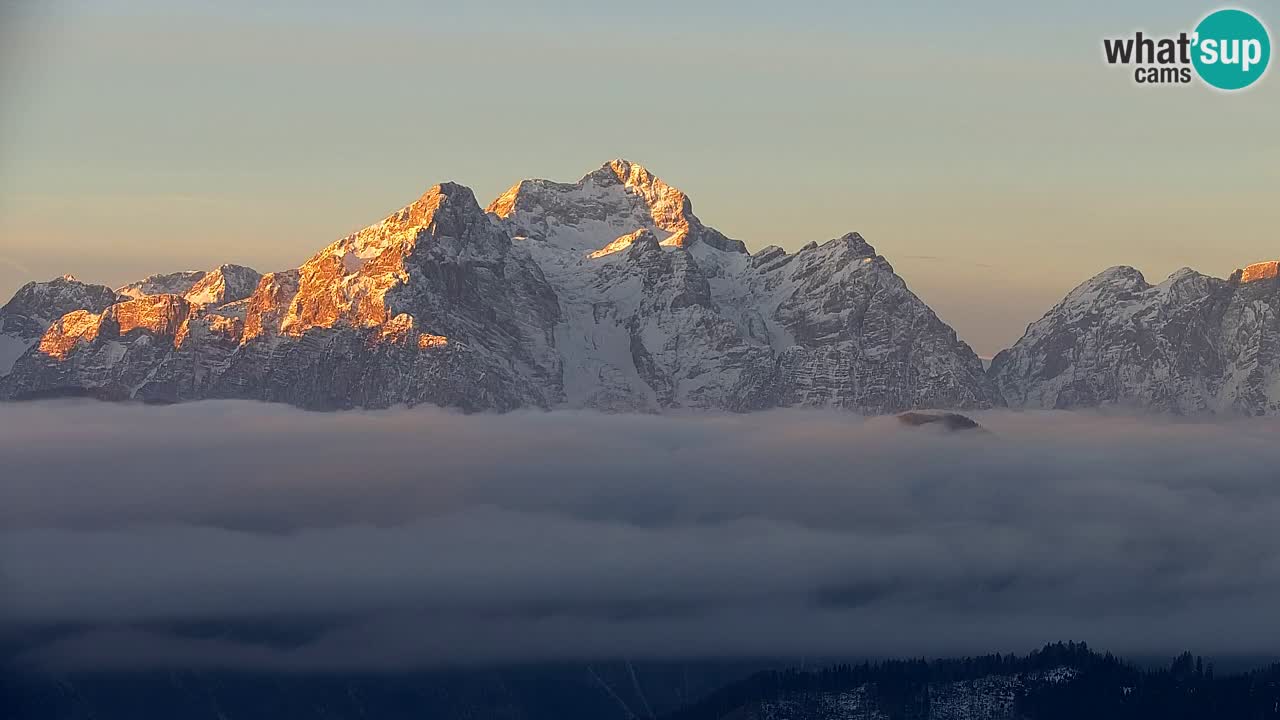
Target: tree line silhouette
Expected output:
[1102,687]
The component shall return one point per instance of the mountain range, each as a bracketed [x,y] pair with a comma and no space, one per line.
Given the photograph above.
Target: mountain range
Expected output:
[611,294]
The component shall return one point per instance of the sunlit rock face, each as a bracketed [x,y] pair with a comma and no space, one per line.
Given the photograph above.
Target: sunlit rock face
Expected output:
[621,195]
[1260,271]
[1191,344]
[608,293]
[163,316]
[434,304]
[24,319]
[111,354]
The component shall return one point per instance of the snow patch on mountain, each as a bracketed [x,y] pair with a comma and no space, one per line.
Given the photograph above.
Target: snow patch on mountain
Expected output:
[11,348]
[223,284]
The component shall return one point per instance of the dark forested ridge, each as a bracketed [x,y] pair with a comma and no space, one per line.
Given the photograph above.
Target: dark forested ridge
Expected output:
[614,690]
[1059,682]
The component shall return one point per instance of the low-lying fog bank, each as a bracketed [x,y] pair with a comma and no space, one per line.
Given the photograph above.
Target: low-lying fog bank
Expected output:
[408,537]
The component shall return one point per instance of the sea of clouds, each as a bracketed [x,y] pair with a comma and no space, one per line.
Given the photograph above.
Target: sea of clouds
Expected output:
[194,535]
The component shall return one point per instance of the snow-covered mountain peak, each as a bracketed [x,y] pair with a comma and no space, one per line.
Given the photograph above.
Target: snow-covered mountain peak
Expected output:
[356,278]
[1193,343]
[857,244]
[446,210]
[617,199]
[225,283]
[1120,276]
[670,206]
[446,202]
[37,304]
[1181,274]
[605,293]
[1116,288]
[174,283]
[622,171]
[1110,285]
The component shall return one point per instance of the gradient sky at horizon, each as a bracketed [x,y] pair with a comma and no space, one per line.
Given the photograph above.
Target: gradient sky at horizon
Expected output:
[987,150]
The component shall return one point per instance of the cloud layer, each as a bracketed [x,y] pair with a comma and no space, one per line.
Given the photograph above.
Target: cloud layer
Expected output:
[408,537]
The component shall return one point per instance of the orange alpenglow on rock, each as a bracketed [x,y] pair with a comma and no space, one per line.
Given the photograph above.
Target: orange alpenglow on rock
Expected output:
[668,205]
[162,315]
[427,341]
[400,329]
[268,303]
[1261,271]
[63,335]
[606,293]
[227,326]
[622,243]
[668,209]
[349,281]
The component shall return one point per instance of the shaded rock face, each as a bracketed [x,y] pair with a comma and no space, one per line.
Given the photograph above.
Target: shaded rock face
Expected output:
[662,312]
[855,336]
[608,293]
[1191,344]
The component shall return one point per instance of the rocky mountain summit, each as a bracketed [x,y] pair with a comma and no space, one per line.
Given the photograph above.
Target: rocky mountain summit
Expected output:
[606,293]
[610,293]
[1190,344]
[36,305]
[215,287]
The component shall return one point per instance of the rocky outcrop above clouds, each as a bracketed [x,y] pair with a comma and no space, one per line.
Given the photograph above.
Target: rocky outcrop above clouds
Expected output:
[608,293]
[1190,344]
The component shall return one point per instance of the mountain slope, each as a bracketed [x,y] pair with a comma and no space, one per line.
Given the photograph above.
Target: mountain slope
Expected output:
[662,311]
[1190,344]
[607,293]
[430,305]
[37,305]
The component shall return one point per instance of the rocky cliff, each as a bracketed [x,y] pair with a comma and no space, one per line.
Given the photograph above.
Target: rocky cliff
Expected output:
[608,293]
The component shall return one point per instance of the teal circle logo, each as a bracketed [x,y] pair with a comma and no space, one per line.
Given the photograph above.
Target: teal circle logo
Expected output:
[1232,49]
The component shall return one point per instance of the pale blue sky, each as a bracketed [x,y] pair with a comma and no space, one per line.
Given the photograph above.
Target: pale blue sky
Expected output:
[986,150]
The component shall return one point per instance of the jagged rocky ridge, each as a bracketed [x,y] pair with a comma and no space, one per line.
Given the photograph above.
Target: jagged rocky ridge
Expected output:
[1191,344]
[30,312]
[607,293]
